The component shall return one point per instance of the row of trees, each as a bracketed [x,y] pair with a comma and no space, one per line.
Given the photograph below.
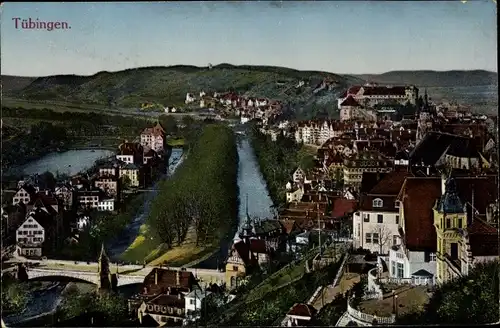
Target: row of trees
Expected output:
[278,160]
[203,193]
[43,137]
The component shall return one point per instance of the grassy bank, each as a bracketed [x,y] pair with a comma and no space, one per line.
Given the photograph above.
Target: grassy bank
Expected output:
[195,208]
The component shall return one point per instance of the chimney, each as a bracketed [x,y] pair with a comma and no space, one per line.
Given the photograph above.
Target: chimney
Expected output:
[179,296]
[443,183]
[178,278]
[156,276]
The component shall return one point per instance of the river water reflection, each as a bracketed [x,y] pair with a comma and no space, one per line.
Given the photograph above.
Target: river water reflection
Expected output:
[69,162]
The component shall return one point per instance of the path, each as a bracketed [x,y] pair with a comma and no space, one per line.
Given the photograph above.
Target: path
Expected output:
[329,293]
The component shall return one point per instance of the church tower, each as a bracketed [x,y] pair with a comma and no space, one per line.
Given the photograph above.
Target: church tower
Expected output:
[449,219]
[425,117]
[107,281]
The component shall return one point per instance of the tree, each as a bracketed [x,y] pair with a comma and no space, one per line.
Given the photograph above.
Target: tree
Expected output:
[477,292]
[384,236]
[14,296]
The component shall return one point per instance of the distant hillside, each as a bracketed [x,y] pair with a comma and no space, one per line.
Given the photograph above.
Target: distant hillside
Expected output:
[435,78]
[169,85]
[14,83]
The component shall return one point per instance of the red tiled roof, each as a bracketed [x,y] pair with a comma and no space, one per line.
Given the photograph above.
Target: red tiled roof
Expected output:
[418,197]
[485,190]
[354,90]
[302,310]
[168,278]
[380,91]
[342,206]
[483,238]
[349,101]
[243,251]
[258,246]
[390,184]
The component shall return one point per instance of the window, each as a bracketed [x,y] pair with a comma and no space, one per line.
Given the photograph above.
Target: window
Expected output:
[191,302]
[397,219]
[377,202]
[393,267]
[375,238]
[366,217]
[459,223]
[448,223]
[400,272]
[380,218]
[454,251]
[368,238]
[396,204]
[395,240]
[163,318]
[235,268]
[432,257]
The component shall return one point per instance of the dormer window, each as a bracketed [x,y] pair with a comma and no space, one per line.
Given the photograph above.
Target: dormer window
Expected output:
[377,202]
[396,204]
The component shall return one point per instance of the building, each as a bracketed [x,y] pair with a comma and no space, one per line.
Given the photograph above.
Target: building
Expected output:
[154,138]
[162,296]
[106,204]
[414,258]
[108,184]
[194,302]
[463,238]
[129,175]
[350,109]
[65,194]
[318,132]
[31,234]
[376,224]
[24,194]
[88,198]
[130,153]
[370,95]
[365,161]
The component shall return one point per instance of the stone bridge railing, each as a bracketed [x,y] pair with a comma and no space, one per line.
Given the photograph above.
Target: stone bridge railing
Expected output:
[368,319]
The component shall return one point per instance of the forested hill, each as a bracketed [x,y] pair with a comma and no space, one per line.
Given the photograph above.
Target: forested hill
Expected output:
[303,90]
[455,78]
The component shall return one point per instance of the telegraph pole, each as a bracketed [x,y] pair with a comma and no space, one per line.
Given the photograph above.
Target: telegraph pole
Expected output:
[319,227]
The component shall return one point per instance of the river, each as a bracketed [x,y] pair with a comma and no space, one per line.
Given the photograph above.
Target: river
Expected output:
[69,162]
[251,184]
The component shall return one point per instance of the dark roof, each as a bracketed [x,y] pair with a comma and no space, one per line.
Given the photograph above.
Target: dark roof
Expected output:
[168,278]
[463,147]
[349,101]
[484,188]
[267,226]
[483,238]
[402,155]
[176,301]
[391,183]
[380,91]
[303,310]
[243,251]
[369,180]
[288,225]
[450,202]
[418,197]
[422,273]
[430,149]
[29,189]
[388,203]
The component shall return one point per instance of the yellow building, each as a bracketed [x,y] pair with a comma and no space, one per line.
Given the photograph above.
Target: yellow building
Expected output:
[464,230]
[449,217]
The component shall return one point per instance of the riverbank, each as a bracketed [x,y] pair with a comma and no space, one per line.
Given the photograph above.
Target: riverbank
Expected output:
[204,185]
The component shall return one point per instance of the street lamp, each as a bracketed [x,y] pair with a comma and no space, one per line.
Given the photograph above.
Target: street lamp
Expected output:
[396,305]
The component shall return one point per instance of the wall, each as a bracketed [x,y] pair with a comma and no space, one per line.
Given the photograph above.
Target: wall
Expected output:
[388,229]
[417,262]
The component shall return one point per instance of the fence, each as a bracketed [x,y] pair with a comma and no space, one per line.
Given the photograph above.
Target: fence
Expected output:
[368,319]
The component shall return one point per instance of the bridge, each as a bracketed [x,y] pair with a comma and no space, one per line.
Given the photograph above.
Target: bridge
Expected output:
[133,191]
[129,274]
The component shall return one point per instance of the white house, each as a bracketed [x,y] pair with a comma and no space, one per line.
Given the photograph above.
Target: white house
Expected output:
[24,195]
[194,303]
[295,195]
[189,98]
[298,175]
[376,224]
[415,257]
[30,236]
[82,222]
[106,204]
[127,158]
[65,193]
[244,119]
[202,94]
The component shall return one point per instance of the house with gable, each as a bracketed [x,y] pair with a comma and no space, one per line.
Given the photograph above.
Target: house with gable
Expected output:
[376,223]
[24,194]
[162,296]
[414,258]
[154,138]
[31,234]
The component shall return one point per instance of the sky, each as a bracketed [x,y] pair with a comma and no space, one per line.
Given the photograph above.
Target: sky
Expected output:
[336,36]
